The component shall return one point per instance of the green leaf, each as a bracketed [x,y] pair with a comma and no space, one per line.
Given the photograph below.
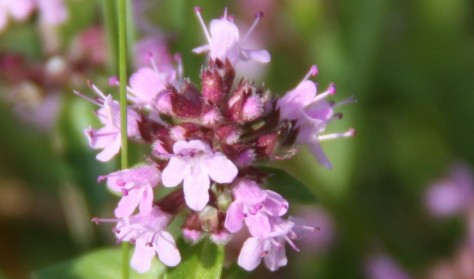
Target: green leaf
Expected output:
[104,264]
[204,260]
[288,186]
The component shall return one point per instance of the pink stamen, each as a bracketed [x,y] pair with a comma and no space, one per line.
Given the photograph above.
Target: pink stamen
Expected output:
[258,16]
[313,71]
[114,81]
[330,91]
[198,11]
[291,244]
[89,99]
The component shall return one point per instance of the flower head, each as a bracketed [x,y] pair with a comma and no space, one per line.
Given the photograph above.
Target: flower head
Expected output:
[108,137]
[224,41]
[255,206]
[312,113]
[146,230]
[136,185]
[195,163]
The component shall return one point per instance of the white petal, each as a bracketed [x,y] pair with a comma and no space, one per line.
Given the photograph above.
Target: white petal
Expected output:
[166,249]
[196,187]
[142,257]
[261,56]
[221,169]
[174,172]
[251,254]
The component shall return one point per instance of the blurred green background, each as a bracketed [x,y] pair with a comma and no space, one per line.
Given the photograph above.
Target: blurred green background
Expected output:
[409,64]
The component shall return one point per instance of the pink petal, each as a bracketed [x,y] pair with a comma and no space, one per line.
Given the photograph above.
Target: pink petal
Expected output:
[146,83]
[258,225]
[110,150]
[220,169]
[275,204]
[21,9]
[234,218]
[318,153]
[142,257]
[261,56]
[3,19]
[321,110]
[196,187]
[225,38]
[248,192]
[127,205]
[146,201]
[251,254]
[276,258]
[53,11]
[166,249]
[193,145]
[174,172]
[201,49]
[295,100]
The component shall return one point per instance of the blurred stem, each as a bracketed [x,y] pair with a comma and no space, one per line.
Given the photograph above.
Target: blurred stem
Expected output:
[122,40]
[110,21]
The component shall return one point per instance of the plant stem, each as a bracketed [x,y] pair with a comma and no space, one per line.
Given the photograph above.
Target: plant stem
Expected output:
[110,21]
[122,35]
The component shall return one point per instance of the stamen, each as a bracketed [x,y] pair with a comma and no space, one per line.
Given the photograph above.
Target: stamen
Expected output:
[349,100]
[179,60]
[89,99]
[313,71]
[97,90]
[102,220]
[330,91]
[198,10]
[348,133]
[258,16]
[291,244]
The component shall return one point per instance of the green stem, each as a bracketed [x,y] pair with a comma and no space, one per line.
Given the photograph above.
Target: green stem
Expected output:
[122,35]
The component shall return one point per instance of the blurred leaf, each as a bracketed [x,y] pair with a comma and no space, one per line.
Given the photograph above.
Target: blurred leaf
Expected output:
[289,187]
[104,264]
[235,272]
[204,260]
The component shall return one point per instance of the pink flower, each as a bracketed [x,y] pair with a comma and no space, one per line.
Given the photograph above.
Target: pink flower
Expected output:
[383,267]
[18,9]
[271,248]
[451,195]
[254,206]
[108,137]
[313,113]
[146,230]
[224,41]
[195,163]
[137,187]
[52,12]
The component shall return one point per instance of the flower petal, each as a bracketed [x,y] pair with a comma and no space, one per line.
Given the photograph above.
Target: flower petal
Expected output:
[234,218]
[142,257]
[127,205]
[276,258]
[251,254]
[146,200]
[110,150]
[196,187]
[166,249]
[174,172]
[261,56]
[318,153]
[220,169]
[258,225]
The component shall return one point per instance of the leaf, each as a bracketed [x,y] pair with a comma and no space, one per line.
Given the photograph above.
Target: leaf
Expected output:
[104,264]
[204,260]
[288,186]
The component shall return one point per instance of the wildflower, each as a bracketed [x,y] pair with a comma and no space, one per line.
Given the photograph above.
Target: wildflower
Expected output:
[108,137]
[195,164]
[52,12]
[312,113]
[270,248]
[224,40]
[146,230]
[254,205]
[136,185]
[19,10]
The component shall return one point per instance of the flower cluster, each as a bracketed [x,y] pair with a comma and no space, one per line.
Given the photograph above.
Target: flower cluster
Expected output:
[205,141]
